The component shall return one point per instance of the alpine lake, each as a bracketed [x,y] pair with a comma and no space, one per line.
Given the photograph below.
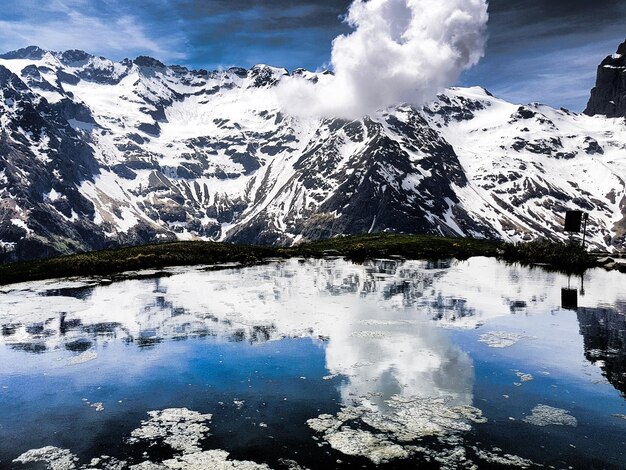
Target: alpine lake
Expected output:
[316,363]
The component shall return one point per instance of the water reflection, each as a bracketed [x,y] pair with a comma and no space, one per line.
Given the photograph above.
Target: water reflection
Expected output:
[386,358]
[384,328]
[604,336]
[321,298]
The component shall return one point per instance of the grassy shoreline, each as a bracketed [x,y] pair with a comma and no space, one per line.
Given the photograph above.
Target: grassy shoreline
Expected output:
[360,247]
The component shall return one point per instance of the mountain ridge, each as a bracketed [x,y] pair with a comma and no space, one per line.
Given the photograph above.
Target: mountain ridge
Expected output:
[96,153]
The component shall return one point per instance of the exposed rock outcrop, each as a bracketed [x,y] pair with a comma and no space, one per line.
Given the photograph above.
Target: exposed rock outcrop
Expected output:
[608,97]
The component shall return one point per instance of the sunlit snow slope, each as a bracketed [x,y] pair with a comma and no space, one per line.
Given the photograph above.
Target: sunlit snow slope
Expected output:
[95,153]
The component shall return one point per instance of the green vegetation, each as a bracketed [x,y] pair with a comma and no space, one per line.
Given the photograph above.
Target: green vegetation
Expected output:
[568,257]
[157,256]
[109,262]
[361,247]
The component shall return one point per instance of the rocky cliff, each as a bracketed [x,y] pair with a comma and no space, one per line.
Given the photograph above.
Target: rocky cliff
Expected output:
[608,97]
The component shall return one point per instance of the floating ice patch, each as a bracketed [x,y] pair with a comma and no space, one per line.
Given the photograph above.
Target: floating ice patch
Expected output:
[87,356]
[99,406]
[374,446]
[211,459]
[291,464]
[105,462]
[524,377]
[53,458]
[503,459]
[544,415]
[414,418]
[369,334]
[362,364]
[180,428]
[374,322]
[501,339]
[409,419]
[324,422]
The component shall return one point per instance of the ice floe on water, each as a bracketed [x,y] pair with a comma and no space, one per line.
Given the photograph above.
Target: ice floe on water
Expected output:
[386,322]
[207,460]
[501,339]
[180,428]
[53,458]
[429,428]
[544,415]
[369,334]
[86,356]
[376,447]
[502,459]
[394,431]
[524,377]
[105,462]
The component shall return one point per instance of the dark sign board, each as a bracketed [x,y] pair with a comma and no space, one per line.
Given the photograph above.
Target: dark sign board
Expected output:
[569,299]
[573,221]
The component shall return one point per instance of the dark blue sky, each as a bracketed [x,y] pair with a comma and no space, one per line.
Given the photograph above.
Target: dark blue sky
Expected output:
[539,50]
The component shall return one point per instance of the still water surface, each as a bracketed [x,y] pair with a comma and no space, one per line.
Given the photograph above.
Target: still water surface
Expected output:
[316,364]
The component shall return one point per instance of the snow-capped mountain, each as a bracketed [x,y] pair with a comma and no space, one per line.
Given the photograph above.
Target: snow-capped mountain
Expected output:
[96,153]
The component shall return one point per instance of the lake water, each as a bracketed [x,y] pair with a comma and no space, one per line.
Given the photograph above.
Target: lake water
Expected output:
[316,364]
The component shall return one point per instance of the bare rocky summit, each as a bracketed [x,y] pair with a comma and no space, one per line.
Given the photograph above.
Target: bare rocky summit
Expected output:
[608,97]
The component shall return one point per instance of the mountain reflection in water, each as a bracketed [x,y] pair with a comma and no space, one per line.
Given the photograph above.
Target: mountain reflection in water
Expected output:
[386,330]
[296,298]
[604,336]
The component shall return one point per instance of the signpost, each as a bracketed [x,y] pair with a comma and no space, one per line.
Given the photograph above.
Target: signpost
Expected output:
[569,295]
[573,222]
[569,298]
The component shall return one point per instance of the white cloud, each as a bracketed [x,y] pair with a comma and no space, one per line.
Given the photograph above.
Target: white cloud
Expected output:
[399,51]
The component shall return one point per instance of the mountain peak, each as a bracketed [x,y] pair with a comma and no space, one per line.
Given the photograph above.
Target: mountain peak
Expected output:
[608,97]
[239,71]
[147,61]
[29,52]
[73,56]
[266,75]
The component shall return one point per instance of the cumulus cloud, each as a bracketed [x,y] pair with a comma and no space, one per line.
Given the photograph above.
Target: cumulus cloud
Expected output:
[401,51]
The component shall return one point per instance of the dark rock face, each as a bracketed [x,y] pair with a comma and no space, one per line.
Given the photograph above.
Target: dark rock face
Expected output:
[145,61]
[264,76]
[608,97]
[74,57]
[65,223]
[30,52]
